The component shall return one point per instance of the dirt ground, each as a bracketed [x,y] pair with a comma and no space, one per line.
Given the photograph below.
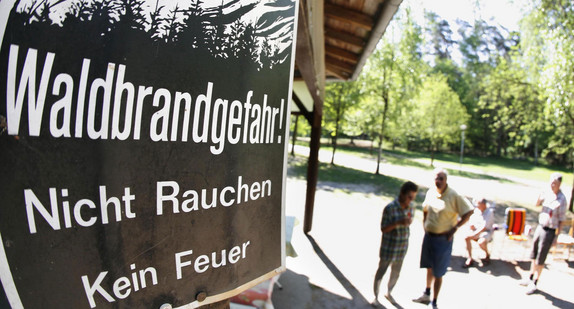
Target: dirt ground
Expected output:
[336,262]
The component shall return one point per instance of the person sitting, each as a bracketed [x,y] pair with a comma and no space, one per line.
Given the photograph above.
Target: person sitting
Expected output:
[480,227]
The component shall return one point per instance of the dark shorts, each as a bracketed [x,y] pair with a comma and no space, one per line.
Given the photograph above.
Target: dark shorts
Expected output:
[541,244]
[436,252]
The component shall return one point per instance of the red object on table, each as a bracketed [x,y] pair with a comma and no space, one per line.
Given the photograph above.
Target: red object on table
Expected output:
[258,295]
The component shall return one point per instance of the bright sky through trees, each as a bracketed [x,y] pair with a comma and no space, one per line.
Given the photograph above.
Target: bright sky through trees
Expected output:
[506,13]
[500,13]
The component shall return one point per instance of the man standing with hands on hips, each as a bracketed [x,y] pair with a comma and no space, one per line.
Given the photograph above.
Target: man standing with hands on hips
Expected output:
[550,220]
[444,212]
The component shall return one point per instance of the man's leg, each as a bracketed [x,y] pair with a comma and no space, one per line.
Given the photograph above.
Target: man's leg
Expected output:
[537,271]
[436,290]
[383,265]
[467,239]
[430,278]
[426,262]
[547,238]
[395,272]
[534,253]
[425,298]
[483,244]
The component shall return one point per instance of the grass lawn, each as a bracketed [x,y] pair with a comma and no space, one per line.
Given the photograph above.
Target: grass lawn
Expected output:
[481,166]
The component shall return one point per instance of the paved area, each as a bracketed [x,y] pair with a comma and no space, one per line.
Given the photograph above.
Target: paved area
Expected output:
[337,261]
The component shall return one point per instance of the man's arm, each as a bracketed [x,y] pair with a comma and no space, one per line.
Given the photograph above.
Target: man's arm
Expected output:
[463,219]
[393,225]
[540,199]
[389,227]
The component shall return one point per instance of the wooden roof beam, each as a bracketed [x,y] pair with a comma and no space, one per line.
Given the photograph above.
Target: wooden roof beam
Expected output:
[336,35]
[388,10]
[348,16]
[345,66]
[341,53]
[304,59]
[337,72]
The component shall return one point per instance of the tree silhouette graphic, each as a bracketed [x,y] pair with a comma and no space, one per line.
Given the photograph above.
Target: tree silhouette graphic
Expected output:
[219,32]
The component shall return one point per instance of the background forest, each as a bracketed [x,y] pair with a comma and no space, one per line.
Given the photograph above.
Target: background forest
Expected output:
[510,91]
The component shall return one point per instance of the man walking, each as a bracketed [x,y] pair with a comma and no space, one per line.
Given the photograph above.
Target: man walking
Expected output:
[397,216]
[550,220]
[444,212]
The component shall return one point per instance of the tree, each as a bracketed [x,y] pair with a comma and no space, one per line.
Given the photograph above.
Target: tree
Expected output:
[390,78]
[511,109]
[440,36]
[438,113]
[339,97]
[554,21]
[381,84]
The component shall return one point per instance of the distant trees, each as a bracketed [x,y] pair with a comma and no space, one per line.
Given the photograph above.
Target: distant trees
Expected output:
[513,90]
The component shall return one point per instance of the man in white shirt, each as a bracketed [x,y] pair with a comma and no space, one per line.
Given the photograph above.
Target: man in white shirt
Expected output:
[480,226]
[550,220]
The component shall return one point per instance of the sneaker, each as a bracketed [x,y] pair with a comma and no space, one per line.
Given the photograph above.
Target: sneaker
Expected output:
[423,299]
[531,288]
[525,282]
[376,303]
[486,261]
[390,298]
[468,264]
[433,305]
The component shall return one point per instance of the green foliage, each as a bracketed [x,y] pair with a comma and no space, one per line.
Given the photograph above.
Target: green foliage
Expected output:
[391,78]
[438,113]
[340,99]
[513,90]
[303,127]
[511,110]
[551,64]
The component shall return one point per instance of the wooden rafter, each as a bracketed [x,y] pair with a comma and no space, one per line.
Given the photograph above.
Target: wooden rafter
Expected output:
[341,53]
[334,34]
[340,74]
[348,16]
[345,66]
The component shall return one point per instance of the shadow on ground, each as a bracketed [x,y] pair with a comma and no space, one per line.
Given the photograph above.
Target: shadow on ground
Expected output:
[299,296]
[497,267]
[556,302]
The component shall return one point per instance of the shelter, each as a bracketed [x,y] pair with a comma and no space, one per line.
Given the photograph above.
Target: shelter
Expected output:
[334,40]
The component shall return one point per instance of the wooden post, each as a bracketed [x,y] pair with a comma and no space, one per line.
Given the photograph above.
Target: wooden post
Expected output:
[312,170]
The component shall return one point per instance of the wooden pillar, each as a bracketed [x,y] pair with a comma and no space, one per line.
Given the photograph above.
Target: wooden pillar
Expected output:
[312,170]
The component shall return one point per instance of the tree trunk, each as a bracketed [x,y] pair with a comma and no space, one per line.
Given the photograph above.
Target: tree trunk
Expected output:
[334,141]
[571,207]
[432,155]
[380,150]
[294,135]
[382,136]
[536,151]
